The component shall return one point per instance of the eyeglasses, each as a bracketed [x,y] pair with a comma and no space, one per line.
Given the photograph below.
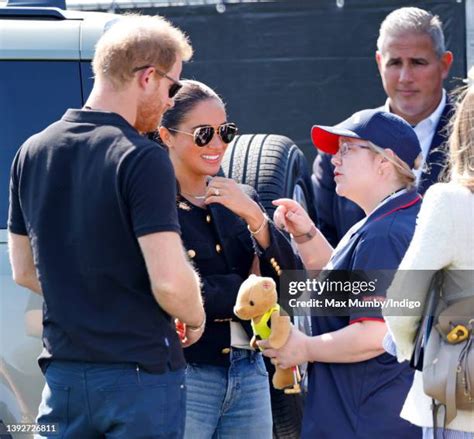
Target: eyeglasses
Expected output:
[399,163]
[175,86]
[203,135]
[345,147]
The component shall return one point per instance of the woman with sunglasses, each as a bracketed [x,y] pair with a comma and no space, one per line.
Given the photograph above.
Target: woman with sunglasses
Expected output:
[223,228]
[355,390]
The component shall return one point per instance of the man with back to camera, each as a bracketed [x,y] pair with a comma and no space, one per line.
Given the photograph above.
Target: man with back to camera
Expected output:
[413,62]
[93,227]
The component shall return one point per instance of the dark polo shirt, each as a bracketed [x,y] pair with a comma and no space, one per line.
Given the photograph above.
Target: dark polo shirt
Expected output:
[84,190]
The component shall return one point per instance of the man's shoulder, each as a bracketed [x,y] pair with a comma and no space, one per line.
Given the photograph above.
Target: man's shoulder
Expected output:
[45,133]
[119,142]
[139,148]
[35,142]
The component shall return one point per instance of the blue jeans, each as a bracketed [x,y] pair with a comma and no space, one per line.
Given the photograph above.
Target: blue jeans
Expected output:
[92,400]
[231,402]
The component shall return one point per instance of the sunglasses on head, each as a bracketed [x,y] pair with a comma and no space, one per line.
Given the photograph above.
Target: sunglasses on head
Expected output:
[203,135]
[175,86]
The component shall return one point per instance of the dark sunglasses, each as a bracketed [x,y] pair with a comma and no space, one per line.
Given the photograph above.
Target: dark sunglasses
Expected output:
[175,86]
[203,135]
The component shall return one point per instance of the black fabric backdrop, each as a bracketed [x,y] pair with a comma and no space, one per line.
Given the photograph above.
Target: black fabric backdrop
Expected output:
[283,66]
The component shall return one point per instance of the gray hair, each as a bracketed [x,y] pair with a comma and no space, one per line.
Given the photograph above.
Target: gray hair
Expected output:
[413,20]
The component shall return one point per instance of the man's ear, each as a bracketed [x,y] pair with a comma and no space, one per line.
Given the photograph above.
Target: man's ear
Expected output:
[145,76]
[446,62]
[378,60]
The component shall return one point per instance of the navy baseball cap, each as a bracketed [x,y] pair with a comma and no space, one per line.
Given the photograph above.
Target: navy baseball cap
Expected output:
[385,130]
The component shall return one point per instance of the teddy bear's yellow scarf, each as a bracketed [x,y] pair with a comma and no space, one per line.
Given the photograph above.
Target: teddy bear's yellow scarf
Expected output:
[262,329]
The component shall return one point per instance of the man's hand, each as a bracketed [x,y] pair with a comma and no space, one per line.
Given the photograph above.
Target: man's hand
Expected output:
[192,336]
[187,335]
[294,352]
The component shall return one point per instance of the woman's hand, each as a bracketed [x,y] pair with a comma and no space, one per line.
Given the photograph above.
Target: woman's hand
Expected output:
[314,250]
[357,342]
[294,352]
[290,216]
[227,192]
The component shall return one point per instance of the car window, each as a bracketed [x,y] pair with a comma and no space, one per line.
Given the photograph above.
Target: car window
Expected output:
[33,94]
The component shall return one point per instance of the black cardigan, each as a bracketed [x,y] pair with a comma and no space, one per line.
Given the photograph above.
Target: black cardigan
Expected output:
[222,250]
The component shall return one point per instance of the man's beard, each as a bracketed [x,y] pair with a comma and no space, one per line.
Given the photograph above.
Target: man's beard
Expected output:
[149,115]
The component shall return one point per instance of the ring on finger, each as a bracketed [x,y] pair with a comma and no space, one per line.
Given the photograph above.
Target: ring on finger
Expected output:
[216,192]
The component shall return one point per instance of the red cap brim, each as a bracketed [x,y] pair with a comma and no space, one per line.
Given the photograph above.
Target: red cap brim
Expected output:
[326,139]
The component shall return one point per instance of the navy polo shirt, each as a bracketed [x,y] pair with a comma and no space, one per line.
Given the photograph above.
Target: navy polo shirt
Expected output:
[364,399]
[84,190]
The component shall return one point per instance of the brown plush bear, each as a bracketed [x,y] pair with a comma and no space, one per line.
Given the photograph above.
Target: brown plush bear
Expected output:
[257,301]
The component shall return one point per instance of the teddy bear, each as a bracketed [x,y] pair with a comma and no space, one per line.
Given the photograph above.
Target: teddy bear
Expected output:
[257,301]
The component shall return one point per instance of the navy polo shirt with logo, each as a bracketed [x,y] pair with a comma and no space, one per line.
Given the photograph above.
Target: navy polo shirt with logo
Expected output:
[364,399]
[84,190]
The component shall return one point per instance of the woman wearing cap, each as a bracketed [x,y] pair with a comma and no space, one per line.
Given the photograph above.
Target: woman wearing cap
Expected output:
[355,390]
[223,227]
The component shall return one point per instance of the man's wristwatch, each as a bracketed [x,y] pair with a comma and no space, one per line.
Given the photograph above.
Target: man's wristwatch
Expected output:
[305,237]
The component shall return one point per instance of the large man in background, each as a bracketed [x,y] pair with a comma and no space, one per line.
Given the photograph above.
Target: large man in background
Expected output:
[413,62]
[93,227]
